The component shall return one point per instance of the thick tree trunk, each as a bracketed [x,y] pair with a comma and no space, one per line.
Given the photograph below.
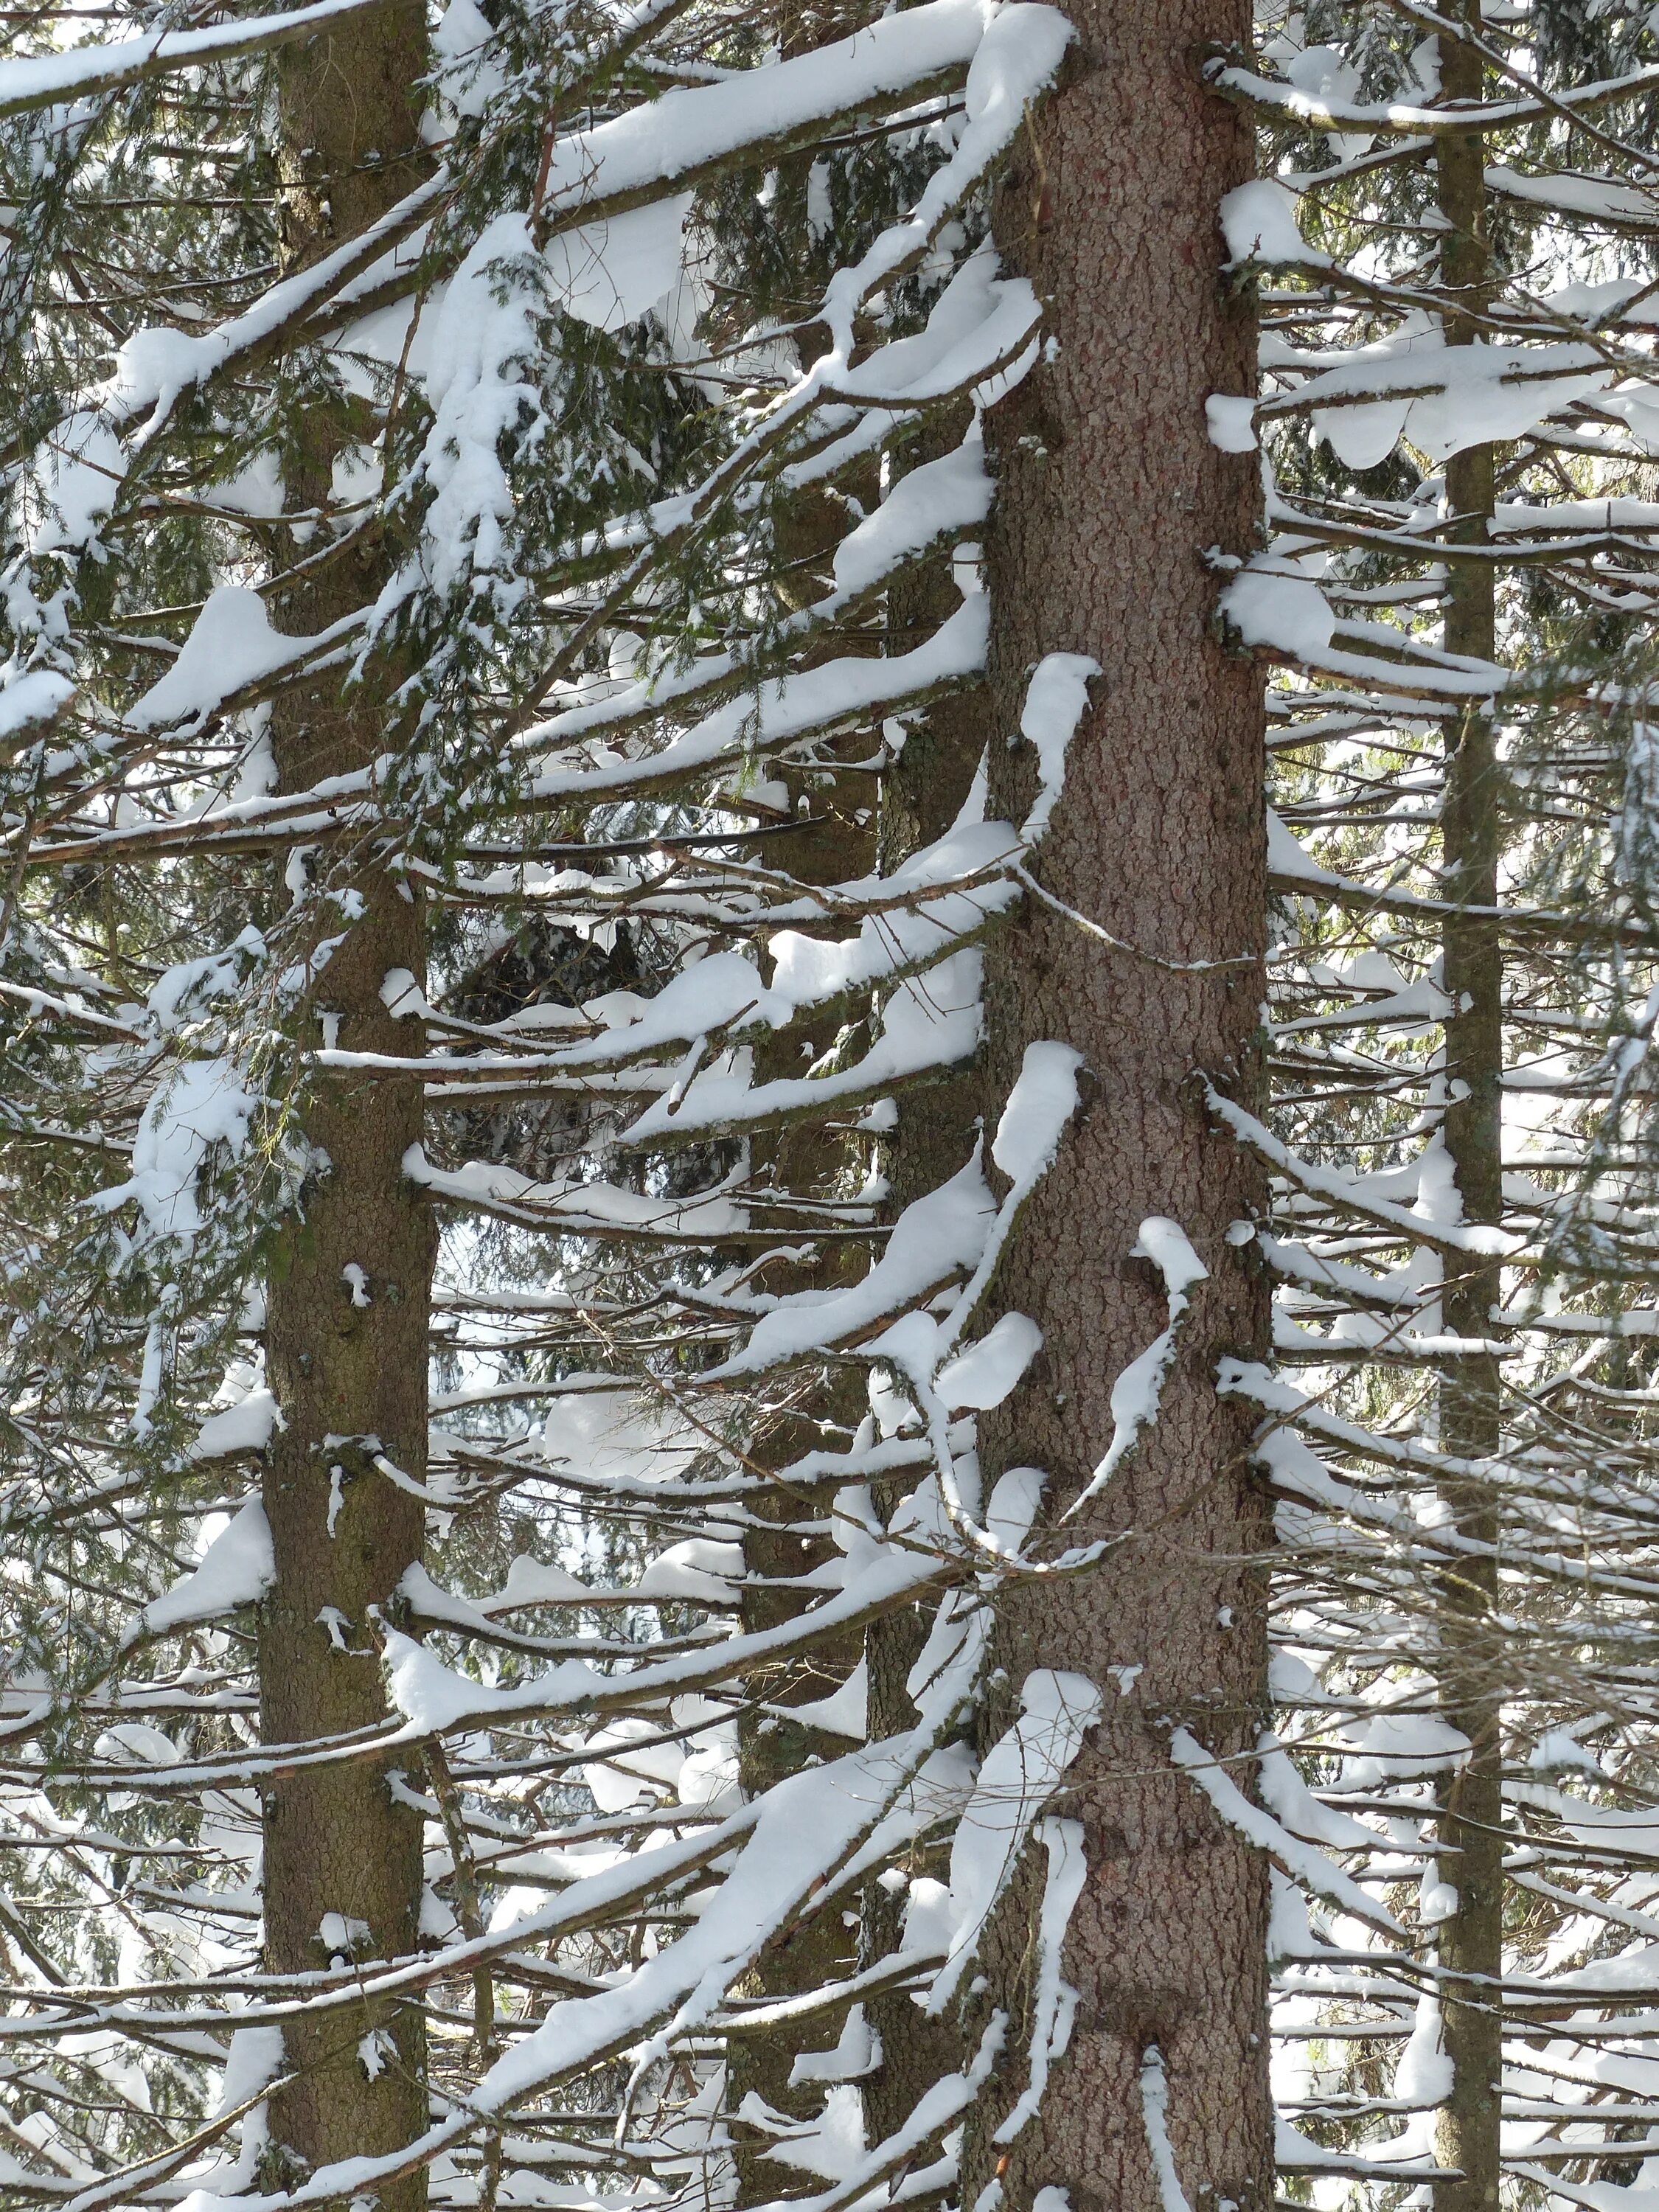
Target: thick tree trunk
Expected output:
[348,1300]
[1110,493]
[1470,1942]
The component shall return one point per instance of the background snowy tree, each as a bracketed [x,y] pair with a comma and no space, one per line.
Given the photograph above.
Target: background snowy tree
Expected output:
[539,578]
[1456,357]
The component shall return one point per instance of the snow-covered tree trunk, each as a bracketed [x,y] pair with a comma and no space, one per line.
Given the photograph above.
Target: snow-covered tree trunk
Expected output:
[817,1947]
[838,845]
[923,792]
[347,1310]
[1109,493]
[1471,1939]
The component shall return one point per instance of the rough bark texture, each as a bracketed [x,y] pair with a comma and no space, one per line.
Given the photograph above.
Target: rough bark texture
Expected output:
[347,1365]
[1110,493]
[1470,1942]
[348,143]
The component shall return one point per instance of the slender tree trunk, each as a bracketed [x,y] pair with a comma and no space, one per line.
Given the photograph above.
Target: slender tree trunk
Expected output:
[1471,1941]
[1110,493]
[349,1296]
[819,1947]
[922,793]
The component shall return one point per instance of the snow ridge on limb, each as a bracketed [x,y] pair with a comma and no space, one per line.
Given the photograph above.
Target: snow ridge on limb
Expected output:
[1020,1773]
[1136,1392]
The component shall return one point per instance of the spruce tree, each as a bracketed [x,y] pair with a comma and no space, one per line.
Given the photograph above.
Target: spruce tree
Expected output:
[638,1564]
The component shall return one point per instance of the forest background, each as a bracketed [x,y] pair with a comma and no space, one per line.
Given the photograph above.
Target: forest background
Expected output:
[827,961]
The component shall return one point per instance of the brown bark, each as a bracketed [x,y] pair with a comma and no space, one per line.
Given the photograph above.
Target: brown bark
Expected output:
[1470,1942]
[806,1160]
[1108,494]
[817,1948]
[922,793]
[350,1376]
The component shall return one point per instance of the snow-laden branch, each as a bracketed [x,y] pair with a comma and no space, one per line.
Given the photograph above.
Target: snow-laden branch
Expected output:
[1139,1390]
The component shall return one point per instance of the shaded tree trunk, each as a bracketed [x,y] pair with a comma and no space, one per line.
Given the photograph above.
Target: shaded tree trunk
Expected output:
[922,793]
[1110,493]
[1470,1942]
[347,1355]
[817,1948]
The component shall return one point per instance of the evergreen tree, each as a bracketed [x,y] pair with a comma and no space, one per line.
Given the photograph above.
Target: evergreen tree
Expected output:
[1458,481]
[636,1517]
